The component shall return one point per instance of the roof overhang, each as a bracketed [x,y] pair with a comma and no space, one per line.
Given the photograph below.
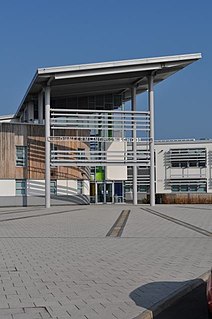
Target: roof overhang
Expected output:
[108,77]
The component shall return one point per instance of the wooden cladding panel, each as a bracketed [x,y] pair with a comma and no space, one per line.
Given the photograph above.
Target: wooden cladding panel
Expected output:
[7,153]
[33,136]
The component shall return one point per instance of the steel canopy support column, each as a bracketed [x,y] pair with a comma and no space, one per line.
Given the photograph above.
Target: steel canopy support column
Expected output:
[40,107]
[151,138]
[134,146]
[47,146]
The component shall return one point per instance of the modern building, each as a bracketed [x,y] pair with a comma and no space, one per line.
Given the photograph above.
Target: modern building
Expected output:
[183,173]
[79,136]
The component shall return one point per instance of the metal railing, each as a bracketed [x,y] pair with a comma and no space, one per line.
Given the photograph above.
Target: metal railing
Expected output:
[98,158]
[105,121]
[97,130]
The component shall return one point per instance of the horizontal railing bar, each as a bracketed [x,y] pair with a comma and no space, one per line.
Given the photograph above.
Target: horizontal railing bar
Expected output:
[113,126]
[96,139]
[52,110]
[98,152]
[145,164]
[94,164]
[89,128]
[120,122]
[108,116]
[95,121]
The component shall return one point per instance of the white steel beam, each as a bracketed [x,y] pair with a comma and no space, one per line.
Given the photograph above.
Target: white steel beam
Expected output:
[47,147]
[134,146]
[151,138]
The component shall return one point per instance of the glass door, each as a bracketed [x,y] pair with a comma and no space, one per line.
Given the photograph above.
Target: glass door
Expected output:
[100,193]
[108,193]
[104,193]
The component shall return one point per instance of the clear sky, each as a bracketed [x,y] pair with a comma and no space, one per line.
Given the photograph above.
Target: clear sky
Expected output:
[50,33]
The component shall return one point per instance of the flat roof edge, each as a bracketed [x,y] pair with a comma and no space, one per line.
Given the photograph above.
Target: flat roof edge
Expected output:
[192,56]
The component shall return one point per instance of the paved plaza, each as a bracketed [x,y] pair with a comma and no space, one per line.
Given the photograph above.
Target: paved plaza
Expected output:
[59,263]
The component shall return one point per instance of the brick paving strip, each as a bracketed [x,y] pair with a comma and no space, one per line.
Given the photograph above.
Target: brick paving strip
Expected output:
[40,215]
[118,227]
[18,211]
[179,222]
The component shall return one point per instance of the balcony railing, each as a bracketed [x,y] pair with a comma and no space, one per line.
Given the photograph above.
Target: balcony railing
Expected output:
[98,158]
[105,122]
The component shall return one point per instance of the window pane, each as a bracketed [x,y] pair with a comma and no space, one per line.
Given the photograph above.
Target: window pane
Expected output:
[20,184]
[21,187]
[202,188]
[202,164]
[53,187]
[192,188]
[142,188]
[175,164]
[175,188]
[192,163]
[184,164]
[184,188]
[21,156]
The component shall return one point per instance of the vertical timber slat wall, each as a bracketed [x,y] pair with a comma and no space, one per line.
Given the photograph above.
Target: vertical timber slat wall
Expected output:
[32,136]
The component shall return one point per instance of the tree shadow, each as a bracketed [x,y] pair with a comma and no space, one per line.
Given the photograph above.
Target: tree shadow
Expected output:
[152,297]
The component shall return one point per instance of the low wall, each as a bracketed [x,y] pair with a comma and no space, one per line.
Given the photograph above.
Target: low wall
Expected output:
[143,198]
[187,198]
[40,200]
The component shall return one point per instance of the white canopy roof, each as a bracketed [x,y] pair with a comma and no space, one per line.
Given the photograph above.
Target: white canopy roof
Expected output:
[107,77]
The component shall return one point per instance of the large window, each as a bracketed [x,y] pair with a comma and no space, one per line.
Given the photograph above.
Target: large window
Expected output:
[21,156]
[186,188]
[20,187]
[191,157]
[105,101]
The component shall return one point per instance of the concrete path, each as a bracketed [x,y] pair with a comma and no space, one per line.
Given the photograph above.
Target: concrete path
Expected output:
[58,263]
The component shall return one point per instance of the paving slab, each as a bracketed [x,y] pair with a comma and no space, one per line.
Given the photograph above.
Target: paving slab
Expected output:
[61,259]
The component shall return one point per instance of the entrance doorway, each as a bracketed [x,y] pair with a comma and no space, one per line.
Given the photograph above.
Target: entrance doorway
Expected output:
[104,193]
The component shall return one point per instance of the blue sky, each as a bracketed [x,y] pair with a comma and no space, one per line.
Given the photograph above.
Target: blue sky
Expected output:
[49,33]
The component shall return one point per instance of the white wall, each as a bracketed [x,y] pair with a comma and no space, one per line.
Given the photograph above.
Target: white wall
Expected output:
[118,172]
[86,187]
[66,187]
[35,187]
[7,187]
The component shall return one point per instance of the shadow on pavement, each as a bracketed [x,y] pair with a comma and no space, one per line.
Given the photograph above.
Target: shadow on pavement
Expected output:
[191,304]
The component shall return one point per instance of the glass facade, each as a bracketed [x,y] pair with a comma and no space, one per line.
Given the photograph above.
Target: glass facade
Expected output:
[200,188]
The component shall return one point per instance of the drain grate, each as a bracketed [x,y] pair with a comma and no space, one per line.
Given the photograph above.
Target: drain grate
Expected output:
[30,312]
[179,222]
[118,227]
